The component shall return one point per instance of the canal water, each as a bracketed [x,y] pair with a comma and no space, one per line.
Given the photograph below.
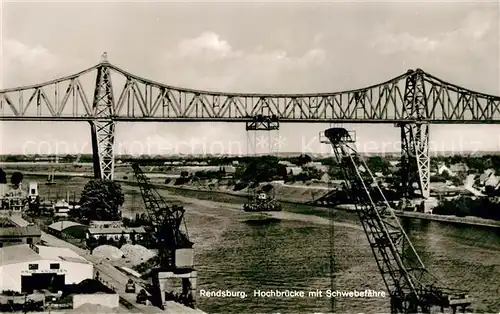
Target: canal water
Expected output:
[241,252]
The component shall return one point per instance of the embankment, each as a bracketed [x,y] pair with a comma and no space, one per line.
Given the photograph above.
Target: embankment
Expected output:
[296,194]
[302,195]
[468,220]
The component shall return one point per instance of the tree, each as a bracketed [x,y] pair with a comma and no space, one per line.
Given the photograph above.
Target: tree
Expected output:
[3,177]
[303,159]
[102,240]
[92,243]
[378,164]
[16,178]
[101,200]
[264,169]
[112,242]
[133,237]
[122,241]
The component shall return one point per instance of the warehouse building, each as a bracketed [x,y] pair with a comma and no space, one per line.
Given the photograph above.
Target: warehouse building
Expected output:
[19,235]
[25,268]
[69,227]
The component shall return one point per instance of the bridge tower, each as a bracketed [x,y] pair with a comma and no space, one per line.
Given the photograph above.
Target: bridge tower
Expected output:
[415,161]
[102,126]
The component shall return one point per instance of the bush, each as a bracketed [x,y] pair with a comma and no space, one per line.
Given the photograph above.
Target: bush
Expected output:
[466,206]
[240,186]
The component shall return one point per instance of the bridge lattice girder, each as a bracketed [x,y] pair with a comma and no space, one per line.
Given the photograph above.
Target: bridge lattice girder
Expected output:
[143,99]
[140,99]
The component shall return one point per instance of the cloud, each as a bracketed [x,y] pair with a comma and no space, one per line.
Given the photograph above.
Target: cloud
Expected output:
[210,62]
[474,29]
[207,45]
[392,43]
[22,63]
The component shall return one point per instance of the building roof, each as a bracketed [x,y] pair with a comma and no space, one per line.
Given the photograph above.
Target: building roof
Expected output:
[6,222]
[18,220]
[28,231]
[61,225]
[57,253]
[17,254]
[23,253]
[116,230]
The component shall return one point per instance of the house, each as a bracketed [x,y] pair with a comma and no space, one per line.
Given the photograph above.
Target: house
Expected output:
[229,169]
[26,268]
[59,227]
[460,167]
[294,170]
[317,165]
[486,176]
[325,178]
[492,181]
[19,235]
[443,168]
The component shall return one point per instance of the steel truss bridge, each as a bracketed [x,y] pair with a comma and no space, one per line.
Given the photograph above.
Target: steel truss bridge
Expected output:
[410,101]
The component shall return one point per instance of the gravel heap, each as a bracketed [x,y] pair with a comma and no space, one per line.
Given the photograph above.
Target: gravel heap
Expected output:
[94,308]
[107,251]
[137,253]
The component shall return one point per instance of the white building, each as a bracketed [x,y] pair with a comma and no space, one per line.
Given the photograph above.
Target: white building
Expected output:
[33,189]
[294,170]
[229,169]
[27,267]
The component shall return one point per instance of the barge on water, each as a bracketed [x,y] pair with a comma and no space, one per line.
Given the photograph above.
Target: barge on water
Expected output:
[262,202]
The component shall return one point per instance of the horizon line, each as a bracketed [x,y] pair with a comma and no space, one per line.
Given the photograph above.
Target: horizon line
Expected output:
[254,154]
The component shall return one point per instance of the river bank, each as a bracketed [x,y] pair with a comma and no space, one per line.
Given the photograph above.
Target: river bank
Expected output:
[469,220]
[294,194]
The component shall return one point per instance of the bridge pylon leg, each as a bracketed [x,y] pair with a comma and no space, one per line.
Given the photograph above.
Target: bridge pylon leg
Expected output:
[103,126]
[415,160]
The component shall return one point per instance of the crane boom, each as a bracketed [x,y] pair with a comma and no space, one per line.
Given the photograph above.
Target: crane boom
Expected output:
[411,287]
[167,221]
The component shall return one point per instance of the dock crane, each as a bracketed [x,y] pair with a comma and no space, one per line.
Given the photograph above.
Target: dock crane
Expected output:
[170,238]
[412,288]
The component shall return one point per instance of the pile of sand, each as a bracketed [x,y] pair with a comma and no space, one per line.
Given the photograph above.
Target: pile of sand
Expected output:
[108,251]
[94,308]
[137,253]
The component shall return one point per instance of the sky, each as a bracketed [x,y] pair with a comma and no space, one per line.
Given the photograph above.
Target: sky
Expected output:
[267,47]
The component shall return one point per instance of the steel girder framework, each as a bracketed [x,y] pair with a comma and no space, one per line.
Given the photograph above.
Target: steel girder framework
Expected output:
[411,287]
[415,161]
[103,126]
[140,99]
